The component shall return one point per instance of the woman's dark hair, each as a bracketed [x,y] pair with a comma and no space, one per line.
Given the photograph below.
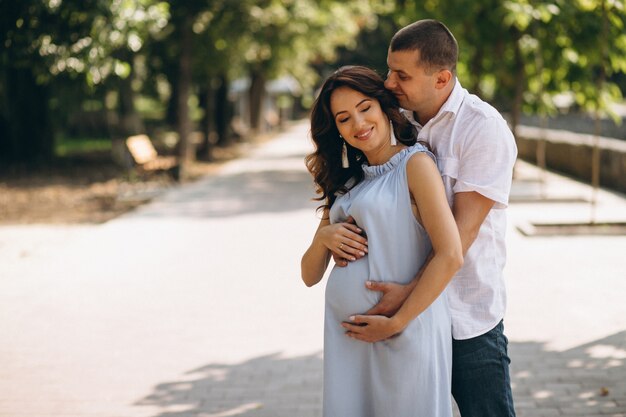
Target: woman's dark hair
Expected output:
[325,163]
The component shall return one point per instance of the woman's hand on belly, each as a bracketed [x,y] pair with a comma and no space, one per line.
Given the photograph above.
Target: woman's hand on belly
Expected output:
[344,240]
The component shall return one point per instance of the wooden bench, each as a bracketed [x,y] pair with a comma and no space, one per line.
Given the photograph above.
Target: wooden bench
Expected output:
[147,159]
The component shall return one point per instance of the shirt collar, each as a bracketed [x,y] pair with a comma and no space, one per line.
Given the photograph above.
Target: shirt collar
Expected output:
[409,116]
[451,105]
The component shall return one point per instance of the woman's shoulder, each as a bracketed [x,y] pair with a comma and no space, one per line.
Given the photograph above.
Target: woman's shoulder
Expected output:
[420,161]
[420,151]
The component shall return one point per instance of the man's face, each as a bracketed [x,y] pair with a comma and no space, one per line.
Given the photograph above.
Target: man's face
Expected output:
[410,82]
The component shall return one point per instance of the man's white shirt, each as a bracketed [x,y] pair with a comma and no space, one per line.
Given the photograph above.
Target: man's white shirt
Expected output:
[475,151]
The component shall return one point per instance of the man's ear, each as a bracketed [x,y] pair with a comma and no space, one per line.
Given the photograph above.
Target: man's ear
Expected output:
[444,77]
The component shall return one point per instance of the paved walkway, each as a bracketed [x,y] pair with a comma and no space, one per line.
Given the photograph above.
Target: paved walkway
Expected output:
[192,305]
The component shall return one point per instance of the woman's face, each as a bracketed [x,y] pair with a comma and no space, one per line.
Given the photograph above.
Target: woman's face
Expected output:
[360,119]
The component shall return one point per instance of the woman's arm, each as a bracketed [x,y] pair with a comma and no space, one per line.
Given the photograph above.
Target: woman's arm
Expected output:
[315,259]
[426,187]
[330,236]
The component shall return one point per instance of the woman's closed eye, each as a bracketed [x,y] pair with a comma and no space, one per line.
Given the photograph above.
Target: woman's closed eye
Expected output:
[346,118]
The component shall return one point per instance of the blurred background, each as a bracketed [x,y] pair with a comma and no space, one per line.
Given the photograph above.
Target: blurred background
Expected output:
[192,305]
[78,78]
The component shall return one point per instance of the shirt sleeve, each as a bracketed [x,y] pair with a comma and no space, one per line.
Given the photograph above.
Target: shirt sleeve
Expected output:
[486,161]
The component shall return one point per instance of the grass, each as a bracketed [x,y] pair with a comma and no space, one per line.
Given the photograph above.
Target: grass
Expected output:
[82,145]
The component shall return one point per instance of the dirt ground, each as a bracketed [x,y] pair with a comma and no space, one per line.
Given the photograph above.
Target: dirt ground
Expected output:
[86,189]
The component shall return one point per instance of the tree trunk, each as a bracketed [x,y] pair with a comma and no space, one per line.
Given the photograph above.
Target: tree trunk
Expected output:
[519,78]
[207,103]
[25,129]
[184,91]
[595,154]
[595,165]
[475,61]
[223,113]
[520,75]
[257,94]
[130,122]
[171,113]
[540,154]
[476,70]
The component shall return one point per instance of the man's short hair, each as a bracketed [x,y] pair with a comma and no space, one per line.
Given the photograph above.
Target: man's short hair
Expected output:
[437,47]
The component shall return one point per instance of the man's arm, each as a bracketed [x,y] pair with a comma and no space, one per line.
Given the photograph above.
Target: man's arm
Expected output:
[470,210]
[428,192]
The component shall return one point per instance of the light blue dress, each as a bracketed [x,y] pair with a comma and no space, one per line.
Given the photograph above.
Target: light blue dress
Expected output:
[408,375]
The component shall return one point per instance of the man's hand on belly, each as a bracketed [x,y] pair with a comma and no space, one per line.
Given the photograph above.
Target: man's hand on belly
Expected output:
[394,295]
[378,323]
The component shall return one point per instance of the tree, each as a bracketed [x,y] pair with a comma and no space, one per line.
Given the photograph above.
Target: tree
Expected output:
[592,62]
[286,37]
[80,42]
[218,59]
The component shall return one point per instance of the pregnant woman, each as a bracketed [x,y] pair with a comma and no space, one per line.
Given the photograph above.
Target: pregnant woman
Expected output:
[381,189]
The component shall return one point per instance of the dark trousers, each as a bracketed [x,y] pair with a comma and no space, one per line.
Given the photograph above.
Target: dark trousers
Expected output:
[481,384]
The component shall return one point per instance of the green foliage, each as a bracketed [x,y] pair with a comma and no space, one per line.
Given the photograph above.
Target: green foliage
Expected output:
[76,146]
[551,47]
[79,38]
[600,51]
[516,53]
[286,37]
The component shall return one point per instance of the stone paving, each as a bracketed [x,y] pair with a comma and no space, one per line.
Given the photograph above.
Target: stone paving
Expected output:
[192,305]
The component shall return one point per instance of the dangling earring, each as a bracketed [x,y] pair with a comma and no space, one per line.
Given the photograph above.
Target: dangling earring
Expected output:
[344,156]
[394,142]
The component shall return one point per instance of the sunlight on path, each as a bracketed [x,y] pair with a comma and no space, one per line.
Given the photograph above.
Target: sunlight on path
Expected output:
[193,305]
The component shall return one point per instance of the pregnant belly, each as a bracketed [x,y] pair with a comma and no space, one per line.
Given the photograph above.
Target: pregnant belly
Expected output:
[346,293]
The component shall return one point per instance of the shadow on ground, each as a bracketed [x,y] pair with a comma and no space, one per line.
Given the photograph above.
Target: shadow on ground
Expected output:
[587,380]
[268,191]
[264,386]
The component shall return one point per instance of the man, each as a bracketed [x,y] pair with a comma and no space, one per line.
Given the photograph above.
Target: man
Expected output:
[476,152]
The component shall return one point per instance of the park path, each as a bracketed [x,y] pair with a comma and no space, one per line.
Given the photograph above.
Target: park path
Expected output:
[192,305]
